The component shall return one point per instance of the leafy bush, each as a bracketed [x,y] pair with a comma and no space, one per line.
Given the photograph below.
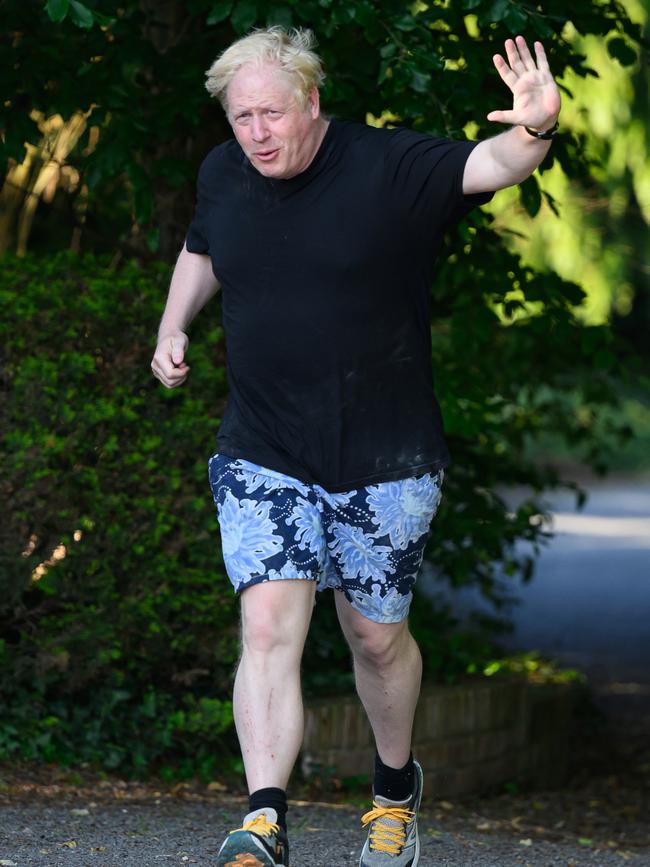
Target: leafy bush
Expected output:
[122,649]
[119,627]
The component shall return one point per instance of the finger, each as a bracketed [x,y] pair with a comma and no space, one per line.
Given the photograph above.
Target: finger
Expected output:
[502,116]
[525,54]
[507,75]
[514,58]
[166,372]
[542,62]
[170,381]
[165,364]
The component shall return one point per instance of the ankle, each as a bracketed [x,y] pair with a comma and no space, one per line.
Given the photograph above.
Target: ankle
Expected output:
[396,784]
[270,797]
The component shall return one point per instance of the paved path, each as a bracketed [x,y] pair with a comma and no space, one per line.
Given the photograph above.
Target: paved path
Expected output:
[590,600]
[588,603]
[151,835]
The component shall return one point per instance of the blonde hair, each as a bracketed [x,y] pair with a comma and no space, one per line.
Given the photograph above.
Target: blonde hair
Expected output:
[290,50]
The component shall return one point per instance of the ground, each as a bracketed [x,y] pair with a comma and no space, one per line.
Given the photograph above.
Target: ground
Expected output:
[53,817]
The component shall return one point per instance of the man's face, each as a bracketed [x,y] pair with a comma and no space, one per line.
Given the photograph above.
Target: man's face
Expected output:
[276,133]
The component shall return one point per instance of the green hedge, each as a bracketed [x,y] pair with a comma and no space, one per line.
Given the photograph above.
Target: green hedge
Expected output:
[123,650]
[121,653]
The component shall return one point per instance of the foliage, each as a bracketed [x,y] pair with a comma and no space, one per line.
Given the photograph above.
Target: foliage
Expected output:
[533,667]
[131,630]
[599,238]
[138,66]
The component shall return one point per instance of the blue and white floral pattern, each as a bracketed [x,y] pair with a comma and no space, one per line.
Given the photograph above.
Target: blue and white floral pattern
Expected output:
[247,536]
[403,510]
[357,553]
[309,529]
[367,543]
[389,608]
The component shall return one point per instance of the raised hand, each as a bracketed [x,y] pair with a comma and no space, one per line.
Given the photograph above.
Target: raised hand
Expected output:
[536,98]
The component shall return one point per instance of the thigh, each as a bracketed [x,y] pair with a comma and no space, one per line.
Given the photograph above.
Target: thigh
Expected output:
[270,524]
[376,538]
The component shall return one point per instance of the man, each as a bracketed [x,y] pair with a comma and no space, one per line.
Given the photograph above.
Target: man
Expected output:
[322,235]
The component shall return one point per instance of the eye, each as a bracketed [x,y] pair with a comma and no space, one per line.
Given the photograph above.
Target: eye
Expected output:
[243,116]
[272,112]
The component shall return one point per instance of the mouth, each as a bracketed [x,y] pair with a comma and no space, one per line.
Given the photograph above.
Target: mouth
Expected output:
[266,155]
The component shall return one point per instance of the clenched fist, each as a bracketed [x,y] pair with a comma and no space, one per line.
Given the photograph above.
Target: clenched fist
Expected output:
[168,364]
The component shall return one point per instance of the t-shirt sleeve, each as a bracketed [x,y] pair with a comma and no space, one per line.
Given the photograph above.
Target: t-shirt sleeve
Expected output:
[425,175]
[196,240]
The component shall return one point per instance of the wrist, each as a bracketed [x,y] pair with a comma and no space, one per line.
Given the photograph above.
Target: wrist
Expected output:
[164,333]
[545,129]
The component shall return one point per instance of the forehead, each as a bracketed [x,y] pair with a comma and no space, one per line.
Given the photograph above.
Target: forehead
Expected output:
[255,84]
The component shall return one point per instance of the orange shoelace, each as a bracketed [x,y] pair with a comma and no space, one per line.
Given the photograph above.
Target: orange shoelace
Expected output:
[383,837]
[260,825]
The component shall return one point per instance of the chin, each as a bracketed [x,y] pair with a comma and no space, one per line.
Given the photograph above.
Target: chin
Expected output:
[271,171]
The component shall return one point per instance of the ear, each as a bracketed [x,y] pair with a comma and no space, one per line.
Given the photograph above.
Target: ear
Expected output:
[313,103]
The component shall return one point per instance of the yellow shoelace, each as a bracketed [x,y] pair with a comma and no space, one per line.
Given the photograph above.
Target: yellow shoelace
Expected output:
[387,838]
[260,825]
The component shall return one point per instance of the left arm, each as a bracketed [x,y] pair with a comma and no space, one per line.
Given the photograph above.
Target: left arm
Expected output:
[511,157]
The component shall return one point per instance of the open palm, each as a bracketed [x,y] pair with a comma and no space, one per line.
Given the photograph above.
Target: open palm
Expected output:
[536,98]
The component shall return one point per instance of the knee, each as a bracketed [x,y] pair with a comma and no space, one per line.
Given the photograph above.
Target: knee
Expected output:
[380,645]
[262,633]
[274,620]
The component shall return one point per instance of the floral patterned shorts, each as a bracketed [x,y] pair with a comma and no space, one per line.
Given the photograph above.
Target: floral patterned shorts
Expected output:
[367,543]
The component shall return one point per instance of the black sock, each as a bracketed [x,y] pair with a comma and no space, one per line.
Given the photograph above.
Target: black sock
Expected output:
[396,784]
[271,797]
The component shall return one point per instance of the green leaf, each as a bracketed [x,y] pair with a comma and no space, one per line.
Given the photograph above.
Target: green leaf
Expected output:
[220,11]
[81,15]
[420,82]
[57,9]
[244,15]
[531,197]
[516,19]
[620,50]
[498,10]
[282,15]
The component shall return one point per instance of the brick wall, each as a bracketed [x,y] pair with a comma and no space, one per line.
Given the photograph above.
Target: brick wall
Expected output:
[467,737]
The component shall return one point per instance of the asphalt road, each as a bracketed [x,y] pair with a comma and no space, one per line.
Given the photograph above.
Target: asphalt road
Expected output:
[150,834]
[590,600]
[588,604]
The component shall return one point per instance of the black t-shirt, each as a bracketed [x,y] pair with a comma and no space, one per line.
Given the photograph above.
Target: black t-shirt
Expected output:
[326,282]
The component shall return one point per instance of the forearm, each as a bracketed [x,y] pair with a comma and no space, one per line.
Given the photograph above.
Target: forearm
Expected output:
[515,155]
[504,160]
[192,285]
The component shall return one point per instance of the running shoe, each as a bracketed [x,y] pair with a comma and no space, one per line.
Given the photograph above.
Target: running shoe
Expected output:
[260,842]
[393,834]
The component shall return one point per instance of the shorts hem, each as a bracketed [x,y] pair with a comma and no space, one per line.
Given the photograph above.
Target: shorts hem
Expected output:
[264,579]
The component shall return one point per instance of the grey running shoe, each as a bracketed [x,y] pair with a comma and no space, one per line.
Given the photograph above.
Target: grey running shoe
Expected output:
[393,834]
[260,842]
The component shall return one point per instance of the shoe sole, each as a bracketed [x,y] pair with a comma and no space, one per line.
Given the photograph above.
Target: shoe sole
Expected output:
[231,855]
[247,859]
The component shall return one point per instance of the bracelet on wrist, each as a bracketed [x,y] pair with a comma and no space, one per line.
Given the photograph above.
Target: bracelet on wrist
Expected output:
[544,134]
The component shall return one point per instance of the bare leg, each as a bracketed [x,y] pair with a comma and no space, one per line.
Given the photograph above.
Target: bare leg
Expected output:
[267,697]
[388,675]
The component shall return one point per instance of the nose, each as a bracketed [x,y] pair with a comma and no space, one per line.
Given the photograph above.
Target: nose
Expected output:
[259,131]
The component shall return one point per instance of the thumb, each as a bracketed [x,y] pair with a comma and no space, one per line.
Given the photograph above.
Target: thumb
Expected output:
[178,351]
[502,116]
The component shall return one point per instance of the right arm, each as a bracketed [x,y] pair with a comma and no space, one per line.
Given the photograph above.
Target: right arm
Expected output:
[193,284]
